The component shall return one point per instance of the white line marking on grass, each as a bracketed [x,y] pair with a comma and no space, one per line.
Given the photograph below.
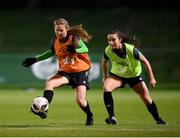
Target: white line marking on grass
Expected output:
[93,129]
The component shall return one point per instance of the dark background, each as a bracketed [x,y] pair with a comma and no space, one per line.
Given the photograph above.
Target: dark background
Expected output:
[26,27]
[88,4]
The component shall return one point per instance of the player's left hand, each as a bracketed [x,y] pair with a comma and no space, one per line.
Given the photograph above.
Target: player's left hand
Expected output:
[29,61]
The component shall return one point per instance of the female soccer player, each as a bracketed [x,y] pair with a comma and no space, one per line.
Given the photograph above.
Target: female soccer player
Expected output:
[74,64]
[126,69]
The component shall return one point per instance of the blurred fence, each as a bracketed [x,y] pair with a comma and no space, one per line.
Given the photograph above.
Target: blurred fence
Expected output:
[165,67]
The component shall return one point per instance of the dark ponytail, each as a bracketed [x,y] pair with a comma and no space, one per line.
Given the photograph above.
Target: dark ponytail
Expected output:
[126,38]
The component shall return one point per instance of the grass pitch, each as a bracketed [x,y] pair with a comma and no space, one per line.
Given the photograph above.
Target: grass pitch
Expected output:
[65,119]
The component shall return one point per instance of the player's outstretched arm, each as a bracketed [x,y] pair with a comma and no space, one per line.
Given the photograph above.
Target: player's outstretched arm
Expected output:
[30,61]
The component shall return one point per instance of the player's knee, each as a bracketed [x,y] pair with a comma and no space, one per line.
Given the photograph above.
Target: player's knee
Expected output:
[107,88]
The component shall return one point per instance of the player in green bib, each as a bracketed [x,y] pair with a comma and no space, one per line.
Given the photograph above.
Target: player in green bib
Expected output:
[126,68]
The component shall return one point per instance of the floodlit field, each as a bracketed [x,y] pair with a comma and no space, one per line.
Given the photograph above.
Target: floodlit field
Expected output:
[66,119]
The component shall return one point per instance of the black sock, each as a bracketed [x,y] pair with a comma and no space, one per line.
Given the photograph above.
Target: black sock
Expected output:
[109,103]
[153,110]
[87,109]
[48,94]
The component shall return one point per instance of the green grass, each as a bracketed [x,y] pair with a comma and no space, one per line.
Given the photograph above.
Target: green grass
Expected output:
[65,119]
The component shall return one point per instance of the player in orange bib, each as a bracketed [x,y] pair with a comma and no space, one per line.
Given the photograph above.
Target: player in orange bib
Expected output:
[74,64]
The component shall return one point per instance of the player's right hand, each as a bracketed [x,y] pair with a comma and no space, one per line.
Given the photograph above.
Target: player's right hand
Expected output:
[28,62]
[71,49]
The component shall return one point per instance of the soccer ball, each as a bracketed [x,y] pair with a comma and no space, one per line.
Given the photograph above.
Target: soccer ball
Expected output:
[40,104]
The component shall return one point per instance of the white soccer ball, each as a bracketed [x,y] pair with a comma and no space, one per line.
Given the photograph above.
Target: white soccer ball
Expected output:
[40,104]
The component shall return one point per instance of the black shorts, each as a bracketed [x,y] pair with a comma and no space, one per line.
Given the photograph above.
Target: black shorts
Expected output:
[76,79]
[130,81]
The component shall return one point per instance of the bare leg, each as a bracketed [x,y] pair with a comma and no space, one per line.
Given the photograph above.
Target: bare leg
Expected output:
[143,92]
[80,94]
